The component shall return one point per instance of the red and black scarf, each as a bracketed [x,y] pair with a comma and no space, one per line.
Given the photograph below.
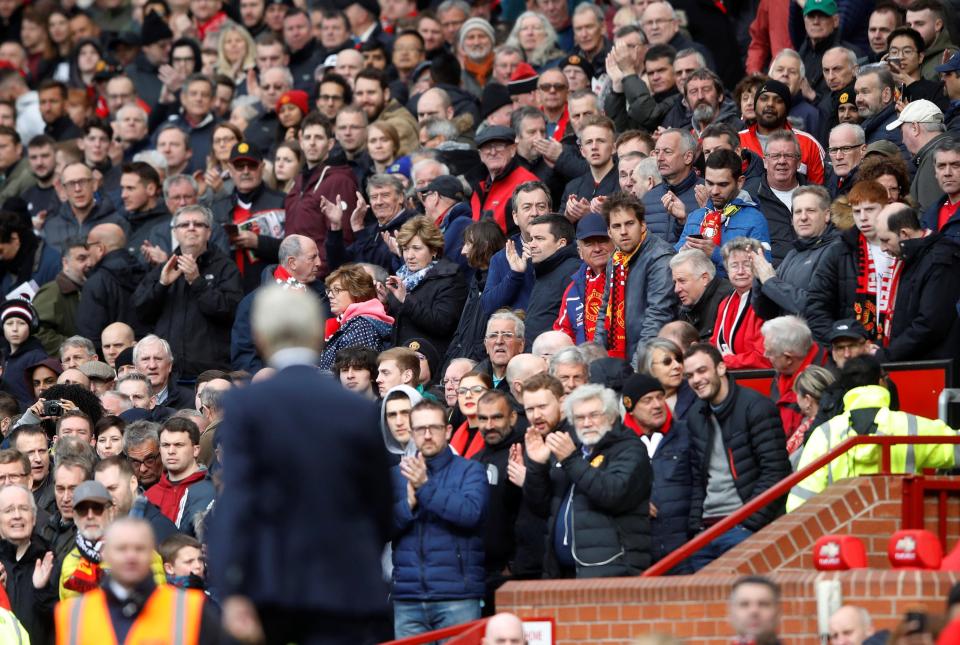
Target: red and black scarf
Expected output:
[874,300]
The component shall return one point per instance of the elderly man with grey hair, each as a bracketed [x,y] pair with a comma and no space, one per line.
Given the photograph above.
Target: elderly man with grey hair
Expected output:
[502,340]
[179,191]
[189,300]
[595,487]
[788,345]
[571,368]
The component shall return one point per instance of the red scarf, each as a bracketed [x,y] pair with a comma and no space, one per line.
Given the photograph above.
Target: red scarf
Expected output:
[561,128]
[211,26]
[459,441]
[592,299]
[873,303]
[616,308]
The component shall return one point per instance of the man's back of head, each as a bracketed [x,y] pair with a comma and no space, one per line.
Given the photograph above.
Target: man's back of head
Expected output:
[111,236]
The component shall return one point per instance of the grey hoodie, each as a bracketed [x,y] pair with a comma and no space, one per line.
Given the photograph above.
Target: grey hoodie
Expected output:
[393,446]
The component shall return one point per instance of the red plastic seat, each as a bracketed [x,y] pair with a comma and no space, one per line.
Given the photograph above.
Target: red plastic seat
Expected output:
[951,561]
[839,553]
[914,549]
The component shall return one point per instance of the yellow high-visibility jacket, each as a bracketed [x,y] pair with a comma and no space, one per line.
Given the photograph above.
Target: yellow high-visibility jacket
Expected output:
[865,460]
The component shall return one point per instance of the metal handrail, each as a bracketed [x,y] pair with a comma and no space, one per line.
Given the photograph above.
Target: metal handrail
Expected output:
[783,487]
[439,634]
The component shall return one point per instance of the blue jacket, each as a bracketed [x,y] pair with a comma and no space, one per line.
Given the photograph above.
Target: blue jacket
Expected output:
[659,221]
[673,465]
[931,216]
[505,288]
[438,547]
[455,221]
[15,367]
[746,222]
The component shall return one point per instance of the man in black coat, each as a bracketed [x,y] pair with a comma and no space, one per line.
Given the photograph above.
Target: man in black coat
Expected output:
[699,289]
[925,324]
[331,588]
[502,444]
[107,295]
[673,462]
[740,445]
[553,251]
[190,299]
[597,489]
[597,137]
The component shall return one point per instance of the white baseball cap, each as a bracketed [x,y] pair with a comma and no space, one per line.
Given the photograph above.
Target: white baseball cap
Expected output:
[919,111]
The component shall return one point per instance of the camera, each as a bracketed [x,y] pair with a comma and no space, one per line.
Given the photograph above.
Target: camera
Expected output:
[52,409]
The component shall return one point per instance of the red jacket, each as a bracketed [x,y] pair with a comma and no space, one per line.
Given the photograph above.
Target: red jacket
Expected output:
[491,198]
[168,495]
[747,343]
[811,152]
[768,34]
[784,396]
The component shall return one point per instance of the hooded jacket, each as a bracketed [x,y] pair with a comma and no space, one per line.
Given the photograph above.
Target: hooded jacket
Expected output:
[833,288]
[194,318]
[143,223]
[107,295]
[63,226]
[362,324]
[438,546]
[302,205]
[394,447]
[755,444]
[181,501]
[552,275]
[934,53]
[785,294]
[603,500]
[650,300]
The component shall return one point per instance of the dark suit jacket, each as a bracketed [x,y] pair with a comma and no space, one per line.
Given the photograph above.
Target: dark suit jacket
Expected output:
[305,509]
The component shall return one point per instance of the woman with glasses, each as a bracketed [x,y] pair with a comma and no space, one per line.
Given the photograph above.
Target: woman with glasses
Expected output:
[737,330]
[217,177]
[663,360]
[889,172]
[468,440]
[109,433]
[359,319]
[427,293]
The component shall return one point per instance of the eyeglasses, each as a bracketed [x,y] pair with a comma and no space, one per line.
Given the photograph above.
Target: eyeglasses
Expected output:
[505,335]
[12,478]
[552,87]
[185,225]
[656,22]
[335,292]
[777,156]
[223,141]
[896,52]
[422,430]
[150,461]
[83,511]
[183,59]
[77,184]
[476,389]
[596,415]
[494,148]
[838,151]
[450,381]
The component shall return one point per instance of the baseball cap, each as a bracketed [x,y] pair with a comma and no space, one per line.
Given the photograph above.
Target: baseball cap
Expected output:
[91,491]
[847,328]
[446,186]
[244,151]
[827,7]
[952,65]
[496,133]
[919,111]
[592,225]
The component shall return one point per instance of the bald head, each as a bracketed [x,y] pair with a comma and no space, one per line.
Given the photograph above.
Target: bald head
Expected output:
[115,338]
[550,342]
[504,629]
[520,368]
[110,236]
[850,625]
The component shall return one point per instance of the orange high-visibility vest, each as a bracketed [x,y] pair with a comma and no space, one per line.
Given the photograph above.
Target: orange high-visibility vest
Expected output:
[171,616]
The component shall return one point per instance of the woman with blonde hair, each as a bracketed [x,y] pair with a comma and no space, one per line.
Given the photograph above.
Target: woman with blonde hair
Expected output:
[236,52]
[427,293]
[359,319]
[534,34]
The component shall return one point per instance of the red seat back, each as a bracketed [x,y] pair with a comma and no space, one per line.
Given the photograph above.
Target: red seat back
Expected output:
[914,549]
[839,553]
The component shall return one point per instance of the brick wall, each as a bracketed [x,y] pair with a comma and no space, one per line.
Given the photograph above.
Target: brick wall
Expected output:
[694,607]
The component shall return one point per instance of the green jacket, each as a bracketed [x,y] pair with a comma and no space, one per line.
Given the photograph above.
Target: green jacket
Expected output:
[933,54]
[865,460]
[56,303]
[16,180]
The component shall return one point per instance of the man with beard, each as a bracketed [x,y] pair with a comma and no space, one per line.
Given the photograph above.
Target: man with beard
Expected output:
[772,103]
[41,198]
[877,106]
[703,92]
[57,301]
[476,40]
[373,95]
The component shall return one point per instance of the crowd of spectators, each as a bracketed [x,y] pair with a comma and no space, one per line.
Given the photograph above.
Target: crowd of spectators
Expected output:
[532,244]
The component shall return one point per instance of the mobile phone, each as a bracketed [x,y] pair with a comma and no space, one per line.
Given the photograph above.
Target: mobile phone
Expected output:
[697,237]
[232,230]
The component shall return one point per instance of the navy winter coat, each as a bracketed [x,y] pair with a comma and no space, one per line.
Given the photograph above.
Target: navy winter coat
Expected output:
[438,546]
[673,464]
[659,221]
[504,287]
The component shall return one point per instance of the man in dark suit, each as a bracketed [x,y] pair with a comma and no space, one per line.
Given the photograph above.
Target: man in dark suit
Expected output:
[306,506]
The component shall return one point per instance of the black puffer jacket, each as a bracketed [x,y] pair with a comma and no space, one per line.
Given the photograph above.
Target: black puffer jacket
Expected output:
[925,325]
[833,287]
[703,314]
[502,508]
[610,514]
[552,277]
[143,224]
[33,607]
[673,466]
[194,318]
[432,310]
[468,340]
[107,296]
[756,447]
